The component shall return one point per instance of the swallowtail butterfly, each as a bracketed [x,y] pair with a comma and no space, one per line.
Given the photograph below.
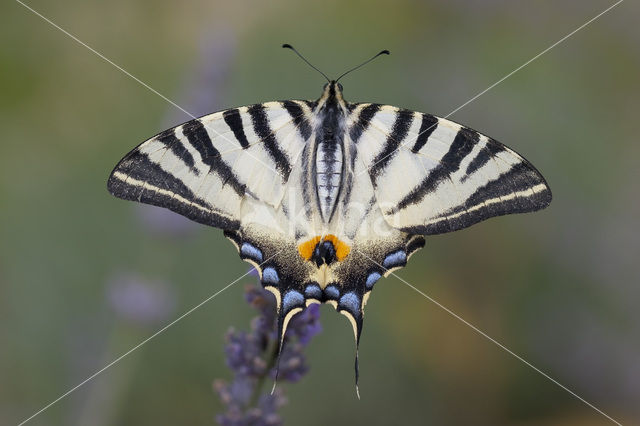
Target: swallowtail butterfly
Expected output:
[325,197]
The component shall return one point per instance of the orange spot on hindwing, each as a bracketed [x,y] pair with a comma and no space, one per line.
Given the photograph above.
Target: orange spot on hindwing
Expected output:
[307,248]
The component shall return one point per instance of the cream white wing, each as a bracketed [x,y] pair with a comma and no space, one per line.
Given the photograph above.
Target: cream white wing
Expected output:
[431,175]
[205,168]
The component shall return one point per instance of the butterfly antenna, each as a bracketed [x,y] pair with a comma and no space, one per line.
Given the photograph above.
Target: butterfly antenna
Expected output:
[288,46]
[384,52]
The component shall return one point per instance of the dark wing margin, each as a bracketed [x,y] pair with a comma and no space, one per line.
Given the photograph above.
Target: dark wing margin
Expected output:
[518,188]
[138,177]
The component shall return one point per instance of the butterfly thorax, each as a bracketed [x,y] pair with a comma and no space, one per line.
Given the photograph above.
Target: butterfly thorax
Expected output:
[328,153]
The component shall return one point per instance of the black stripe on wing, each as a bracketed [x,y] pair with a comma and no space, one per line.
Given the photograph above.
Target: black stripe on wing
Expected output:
[299,119]
[234,120]
[461,146]
[311,104]
[264,132]
[496,198]
[198,137]
[363,121]
[489,151]
[137,178]
[427,126]
[399,131]
[168,138]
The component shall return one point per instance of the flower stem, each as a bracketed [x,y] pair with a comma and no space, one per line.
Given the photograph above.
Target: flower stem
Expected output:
[260,383]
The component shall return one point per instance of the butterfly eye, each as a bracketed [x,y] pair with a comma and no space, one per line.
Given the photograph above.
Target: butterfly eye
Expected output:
[340,87]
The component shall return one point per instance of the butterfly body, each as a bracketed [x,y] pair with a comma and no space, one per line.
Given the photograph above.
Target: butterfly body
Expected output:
[326,197]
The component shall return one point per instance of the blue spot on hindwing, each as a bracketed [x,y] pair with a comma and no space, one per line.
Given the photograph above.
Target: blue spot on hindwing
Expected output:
[251,251]
[291,299]
[270,276]
[332,292]
[372,278]
[313,291]
[351,302]
[397,258]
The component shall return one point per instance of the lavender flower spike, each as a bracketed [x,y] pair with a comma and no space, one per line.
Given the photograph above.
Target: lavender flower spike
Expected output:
[251,357]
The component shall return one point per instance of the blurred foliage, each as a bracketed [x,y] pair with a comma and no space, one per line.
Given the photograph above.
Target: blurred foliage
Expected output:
[559,287]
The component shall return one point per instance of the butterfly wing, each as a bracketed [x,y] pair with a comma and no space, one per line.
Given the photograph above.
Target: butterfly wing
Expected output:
[431,175]
[410,174]
[206,168]
[231,170]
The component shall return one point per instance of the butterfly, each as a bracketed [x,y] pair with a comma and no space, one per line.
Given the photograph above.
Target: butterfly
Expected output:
[325,197]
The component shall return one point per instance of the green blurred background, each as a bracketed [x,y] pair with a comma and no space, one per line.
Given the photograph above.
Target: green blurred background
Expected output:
[85,276]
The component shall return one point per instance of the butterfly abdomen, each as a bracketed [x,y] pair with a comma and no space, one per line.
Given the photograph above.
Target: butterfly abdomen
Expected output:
[329,156]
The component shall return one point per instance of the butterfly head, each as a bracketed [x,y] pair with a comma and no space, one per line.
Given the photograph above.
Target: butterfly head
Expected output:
[331,95]
[333,87]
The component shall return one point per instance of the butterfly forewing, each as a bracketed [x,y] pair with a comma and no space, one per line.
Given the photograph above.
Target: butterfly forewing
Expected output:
[439,176]
[205,168]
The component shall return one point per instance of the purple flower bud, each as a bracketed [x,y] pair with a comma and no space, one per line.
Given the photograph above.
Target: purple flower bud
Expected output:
[262,300]
[292,363]
[244,354]
[306,324]
[251,357]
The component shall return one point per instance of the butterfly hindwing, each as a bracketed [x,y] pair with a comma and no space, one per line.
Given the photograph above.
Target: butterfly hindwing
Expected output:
[432,175]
